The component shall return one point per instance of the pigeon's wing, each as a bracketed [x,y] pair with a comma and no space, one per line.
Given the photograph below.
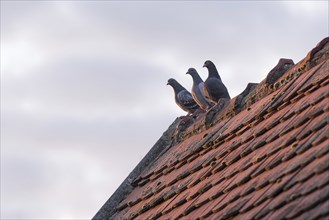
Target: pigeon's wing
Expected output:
[205,91]
[185,98]
[201,89]
[222,90]
[203,94]
[199,96]
[194,95]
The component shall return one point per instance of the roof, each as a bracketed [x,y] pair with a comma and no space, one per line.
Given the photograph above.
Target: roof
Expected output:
[261,155]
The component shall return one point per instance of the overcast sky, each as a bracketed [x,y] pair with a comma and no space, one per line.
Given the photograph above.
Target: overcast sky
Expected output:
[83,85]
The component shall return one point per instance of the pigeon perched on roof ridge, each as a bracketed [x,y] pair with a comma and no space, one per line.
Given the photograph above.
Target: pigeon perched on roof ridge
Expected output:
[183,98]
[213,87]
[197,90]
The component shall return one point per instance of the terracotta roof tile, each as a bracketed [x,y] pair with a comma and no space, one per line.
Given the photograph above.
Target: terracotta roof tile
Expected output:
[252,210]
[263,155]
[320,211]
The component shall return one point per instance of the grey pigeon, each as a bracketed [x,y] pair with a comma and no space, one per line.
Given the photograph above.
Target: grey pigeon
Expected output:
[183,97]
[213,87]
[197,90]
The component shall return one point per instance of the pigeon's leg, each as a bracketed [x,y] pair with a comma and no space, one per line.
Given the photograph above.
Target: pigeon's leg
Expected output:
[208,109]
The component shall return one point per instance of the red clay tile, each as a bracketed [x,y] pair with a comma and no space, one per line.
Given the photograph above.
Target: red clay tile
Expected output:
[198,176]
[158,211]
[284,197]
[317,212]
[261,165]
[302,204]
[309,171]
[323,150]
[315,139]
[181,210]
[282,212]
[231,210]
[278,185]
[252,212]
[315,182]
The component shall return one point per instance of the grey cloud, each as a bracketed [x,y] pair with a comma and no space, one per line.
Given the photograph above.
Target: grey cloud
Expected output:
[89,84]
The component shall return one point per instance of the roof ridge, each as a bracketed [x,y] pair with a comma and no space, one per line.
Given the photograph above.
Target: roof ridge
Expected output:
[284,72]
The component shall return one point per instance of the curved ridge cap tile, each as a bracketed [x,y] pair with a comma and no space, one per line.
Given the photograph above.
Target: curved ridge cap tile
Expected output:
[240,100]
[283,66]
[309,61]
[318,47]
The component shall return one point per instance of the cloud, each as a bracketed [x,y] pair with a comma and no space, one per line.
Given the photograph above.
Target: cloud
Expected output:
[307,8]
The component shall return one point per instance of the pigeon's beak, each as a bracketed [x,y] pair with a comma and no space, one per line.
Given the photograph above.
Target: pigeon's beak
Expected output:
[204,65]
[188,72]
[167,83]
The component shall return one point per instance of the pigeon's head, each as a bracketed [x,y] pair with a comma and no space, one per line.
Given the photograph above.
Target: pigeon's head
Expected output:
[191,71]
[212,70]
[208,63]
[171,81]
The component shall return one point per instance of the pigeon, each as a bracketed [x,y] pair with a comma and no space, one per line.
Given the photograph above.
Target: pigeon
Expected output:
[183,97]
[213,86]
[197,90]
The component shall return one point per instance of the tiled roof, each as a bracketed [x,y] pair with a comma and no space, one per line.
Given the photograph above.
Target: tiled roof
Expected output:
[262,155]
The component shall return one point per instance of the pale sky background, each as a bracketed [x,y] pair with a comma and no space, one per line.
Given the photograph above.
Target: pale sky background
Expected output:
[83,85]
